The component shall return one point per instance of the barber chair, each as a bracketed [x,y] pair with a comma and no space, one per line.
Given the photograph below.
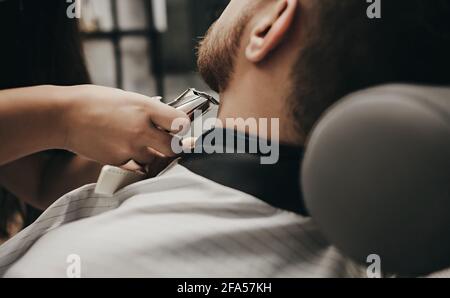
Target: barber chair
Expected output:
[376,177]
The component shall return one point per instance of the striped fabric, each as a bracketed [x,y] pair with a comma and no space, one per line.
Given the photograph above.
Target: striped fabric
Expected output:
[176,225]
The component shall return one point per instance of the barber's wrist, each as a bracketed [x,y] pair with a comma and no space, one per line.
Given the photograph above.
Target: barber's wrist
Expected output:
[62,103]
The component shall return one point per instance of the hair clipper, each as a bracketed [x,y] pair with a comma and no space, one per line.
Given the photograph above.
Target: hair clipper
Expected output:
[113,179]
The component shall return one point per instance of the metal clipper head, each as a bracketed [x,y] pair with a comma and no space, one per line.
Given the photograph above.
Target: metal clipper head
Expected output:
[192,100]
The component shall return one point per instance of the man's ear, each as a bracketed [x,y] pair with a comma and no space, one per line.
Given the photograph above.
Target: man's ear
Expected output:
[270,30]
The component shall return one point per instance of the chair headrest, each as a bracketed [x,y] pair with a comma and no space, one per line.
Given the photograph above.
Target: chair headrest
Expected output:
[376,177]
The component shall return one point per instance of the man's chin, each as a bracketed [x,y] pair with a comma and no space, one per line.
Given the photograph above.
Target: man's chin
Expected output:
[206,65]
[216,61]
[212,83]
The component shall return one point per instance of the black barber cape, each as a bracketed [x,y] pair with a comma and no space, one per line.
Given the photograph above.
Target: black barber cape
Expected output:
[276,184]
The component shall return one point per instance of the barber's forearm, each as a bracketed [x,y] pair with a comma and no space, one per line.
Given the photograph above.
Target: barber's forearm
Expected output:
[23,178]
[41,179]
[63,174]
[31,120]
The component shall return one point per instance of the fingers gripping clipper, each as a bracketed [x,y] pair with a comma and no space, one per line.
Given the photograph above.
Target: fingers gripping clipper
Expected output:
[112,179]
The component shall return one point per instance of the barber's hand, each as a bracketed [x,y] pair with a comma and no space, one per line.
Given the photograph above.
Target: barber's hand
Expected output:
[113,126]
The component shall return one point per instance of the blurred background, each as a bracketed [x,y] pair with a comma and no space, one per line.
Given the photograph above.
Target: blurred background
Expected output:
[146,46]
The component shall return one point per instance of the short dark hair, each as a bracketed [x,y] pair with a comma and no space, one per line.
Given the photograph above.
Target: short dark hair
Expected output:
[345,51]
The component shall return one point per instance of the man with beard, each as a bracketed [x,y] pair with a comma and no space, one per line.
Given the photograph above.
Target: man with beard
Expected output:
[225,214]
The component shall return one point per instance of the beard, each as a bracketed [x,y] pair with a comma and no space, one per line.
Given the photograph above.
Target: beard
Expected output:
[217,53]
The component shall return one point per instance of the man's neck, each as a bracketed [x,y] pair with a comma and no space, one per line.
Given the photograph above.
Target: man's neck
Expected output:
[258,104]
